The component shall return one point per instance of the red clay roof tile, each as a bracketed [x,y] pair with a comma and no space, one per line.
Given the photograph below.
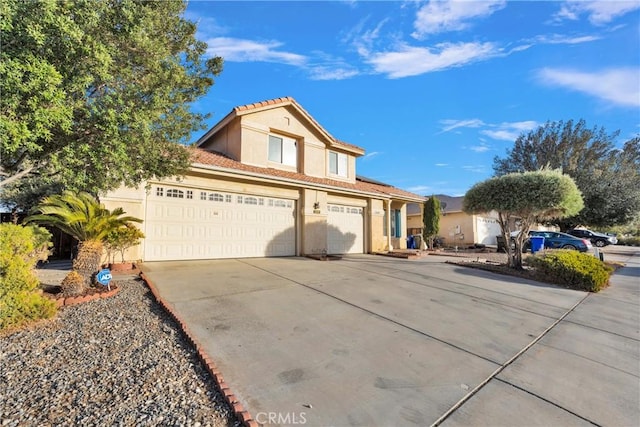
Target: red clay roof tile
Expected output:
[200,156]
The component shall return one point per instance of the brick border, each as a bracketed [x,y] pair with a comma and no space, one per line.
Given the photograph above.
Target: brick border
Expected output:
[239,411]
[66,302]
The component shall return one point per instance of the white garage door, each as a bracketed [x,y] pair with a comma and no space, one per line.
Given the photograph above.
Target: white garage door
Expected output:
[486,230]
[184,224]
[345,230]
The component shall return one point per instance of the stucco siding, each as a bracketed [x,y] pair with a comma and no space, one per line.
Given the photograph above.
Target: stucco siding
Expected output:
[314,163]
[457,229]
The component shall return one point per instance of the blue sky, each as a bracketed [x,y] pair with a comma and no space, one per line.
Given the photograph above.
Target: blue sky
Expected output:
[431,90]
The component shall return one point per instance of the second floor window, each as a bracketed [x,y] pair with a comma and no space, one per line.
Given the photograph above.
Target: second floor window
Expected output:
[338,163]
[283,150]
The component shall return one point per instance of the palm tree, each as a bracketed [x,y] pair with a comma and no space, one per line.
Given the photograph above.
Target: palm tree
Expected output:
[83,217]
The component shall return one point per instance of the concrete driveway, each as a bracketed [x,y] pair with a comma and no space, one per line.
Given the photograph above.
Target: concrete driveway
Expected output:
[378,341]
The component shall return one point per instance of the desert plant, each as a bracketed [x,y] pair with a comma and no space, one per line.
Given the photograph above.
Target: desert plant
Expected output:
[122,238]
[82,216]
[72,284]
[573,269]
[20,249]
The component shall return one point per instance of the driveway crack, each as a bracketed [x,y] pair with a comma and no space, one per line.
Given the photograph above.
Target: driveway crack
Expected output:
[495,373]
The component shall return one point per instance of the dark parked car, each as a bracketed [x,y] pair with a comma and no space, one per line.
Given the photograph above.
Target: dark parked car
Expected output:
[598,239]
[557,240]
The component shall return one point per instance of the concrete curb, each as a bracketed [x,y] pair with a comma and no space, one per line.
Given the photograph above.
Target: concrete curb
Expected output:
[239,411]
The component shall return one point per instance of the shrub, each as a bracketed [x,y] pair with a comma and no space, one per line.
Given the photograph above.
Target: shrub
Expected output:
[573,269]
[20,249]
[122,238]
[72,284]
[629,241]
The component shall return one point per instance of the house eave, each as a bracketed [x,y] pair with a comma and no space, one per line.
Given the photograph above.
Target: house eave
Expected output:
[228,172]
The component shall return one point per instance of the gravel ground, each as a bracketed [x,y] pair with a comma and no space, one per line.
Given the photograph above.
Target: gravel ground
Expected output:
[117,361]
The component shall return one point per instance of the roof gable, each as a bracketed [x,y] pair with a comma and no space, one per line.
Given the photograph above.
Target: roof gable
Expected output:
[277,103]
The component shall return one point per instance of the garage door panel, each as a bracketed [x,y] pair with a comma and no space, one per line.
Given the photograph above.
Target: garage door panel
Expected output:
[220,225]
[345,231]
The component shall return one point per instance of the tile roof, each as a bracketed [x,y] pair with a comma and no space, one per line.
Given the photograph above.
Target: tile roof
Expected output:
[451,204]
[275,101]
[208,158]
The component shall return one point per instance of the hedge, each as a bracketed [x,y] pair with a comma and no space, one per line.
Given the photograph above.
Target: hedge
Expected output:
[20,249]
[573,269]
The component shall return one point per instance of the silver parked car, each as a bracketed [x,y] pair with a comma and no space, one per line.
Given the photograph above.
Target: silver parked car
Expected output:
[598,239]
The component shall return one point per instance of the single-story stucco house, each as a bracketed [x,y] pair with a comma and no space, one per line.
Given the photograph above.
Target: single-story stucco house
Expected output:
[267,180]
[457,228]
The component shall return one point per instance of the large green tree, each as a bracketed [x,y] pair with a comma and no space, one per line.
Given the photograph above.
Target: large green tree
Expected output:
[608,177]
[529,197]
[96,93]
[431,219]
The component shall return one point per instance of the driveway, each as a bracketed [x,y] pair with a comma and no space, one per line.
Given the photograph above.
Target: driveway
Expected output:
[370,340]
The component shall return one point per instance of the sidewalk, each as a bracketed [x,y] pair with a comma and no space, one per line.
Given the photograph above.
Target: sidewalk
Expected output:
[587,365]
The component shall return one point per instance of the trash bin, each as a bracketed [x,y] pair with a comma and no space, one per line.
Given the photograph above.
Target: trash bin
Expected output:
[501,246]
[410,242]
[537,243]
[417,241]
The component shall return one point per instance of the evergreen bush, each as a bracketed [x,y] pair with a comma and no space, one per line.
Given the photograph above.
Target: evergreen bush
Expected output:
[20,249]
[629,241]
[573,269]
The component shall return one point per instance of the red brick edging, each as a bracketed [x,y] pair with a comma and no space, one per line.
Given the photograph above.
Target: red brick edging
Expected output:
[243,415]
[60,302]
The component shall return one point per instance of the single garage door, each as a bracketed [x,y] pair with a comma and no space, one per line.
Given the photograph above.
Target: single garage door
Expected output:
[190,223]
[486,230]
[345,230]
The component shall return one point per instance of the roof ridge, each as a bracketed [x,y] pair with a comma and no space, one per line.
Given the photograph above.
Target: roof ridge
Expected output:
[267,102]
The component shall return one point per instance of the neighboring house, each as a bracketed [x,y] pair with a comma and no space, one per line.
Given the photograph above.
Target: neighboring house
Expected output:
[267,180]
[461,229]
[456,227]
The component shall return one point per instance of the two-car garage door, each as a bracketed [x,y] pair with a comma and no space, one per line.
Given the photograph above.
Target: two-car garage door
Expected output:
[183,224]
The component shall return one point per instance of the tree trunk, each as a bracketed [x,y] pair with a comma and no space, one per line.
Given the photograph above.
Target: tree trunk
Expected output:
[87,263]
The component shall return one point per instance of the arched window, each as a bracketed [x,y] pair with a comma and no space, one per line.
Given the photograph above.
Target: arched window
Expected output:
[178,194]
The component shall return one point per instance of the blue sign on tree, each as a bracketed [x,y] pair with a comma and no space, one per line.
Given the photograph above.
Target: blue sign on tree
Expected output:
[104,277]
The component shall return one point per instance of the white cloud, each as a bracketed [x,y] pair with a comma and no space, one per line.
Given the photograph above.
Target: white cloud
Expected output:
[412,61]
[480,148]
[323,72]
[363,41]
[450,124]
[599,12]
[441,16]
[328,67]
[509,131]
[242,50]
[475,168]
[440,165]
[206,26]
[371,155]
[563,39]
[621,86]
[419,189]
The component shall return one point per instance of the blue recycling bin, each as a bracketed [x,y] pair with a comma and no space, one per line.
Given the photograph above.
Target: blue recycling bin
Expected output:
[537,243]
[411,243]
